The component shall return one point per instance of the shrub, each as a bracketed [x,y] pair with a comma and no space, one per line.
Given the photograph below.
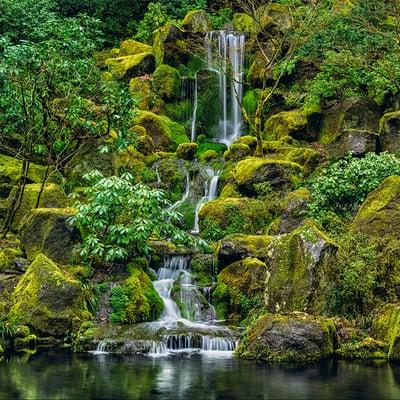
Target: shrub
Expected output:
[343,185]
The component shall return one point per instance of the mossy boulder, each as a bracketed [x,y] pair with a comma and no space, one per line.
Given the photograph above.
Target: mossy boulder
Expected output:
[366,348]
[237,151]
[48,231]
[166,134]
[236,247]
[353,113]
[226,216]
[301,265]
[300,124]
[380,213]
[281,175]
[167,82]
[240,288]
[208,155]
[292,338]
[307,157]
[187,151]
[197,21]
[8,257]
[10,173]
[132,47]
[389,132]
[52,197]
[243,22]
[386,328]
[136,300]
[46,299]
[295,211]
[128,67]
[353,141]
[145,145]
[169,46]
[229,190]
[140,88]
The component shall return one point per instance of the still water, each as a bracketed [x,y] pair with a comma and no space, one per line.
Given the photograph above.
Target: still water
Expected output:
[66,376]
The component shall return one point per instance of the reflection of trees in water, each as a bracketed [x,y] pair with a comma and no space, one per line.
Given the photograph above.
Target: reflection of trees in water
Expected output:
[88,377]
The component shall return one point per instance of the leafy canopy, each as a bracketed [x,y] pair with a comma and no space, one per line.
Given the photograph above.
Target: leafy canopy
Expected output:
[118,218]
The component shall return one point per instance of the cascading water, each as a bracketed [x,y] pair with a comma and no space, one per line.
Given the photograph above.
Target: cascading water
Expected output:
[201,335]
[210,193]
[195,106]
[225,57]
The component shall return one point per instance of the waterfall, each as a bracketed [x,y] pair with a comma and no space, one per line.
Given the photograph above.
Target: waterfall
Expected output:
[225,57]
[158,177]
[210,193]
[195,105]
[101,347]
[185,194]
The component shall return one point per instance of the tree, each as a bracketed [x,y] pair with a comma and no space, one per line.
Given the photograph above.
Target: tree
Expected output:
[117,218]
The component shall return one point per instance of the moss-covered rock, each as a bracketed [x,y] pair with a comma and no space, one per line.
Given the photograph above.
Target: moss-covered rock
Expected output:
[354,113]
[197,21]
[389,132]
[226,216]
[8,257]
[165,133]
[301,267]
[244,23]
[301,124]
[208,155]
[136,300]
[363,349]
[51,197]
[229,191]
[140,88]
[48,231]
[10,173]
[237,247]
[128,67]
[293,338]
[307,157]
[386,328]
[240,288]
[169,46]
[295,210]
[132,47]
[187,151]
[46,299]
[380,212]
[237,151]
[145,145]
[281,175]
[167,82]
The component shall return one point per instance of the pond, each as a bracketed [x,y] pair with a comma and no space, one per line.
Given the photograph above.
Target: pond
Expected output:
[88,376]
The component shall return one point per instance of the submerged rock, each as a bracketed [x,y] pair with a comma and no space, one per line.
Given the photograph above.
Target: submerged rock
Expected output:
[380,213]
[48,231]
[293,338]
[46,299]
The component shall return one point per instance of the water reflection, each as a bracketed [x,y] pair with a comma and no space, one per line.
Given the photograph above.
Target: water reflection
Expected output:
[65,376]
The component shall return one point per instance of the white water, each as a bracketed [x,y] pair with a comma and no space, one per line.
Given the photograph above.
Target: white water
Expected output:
[177,268]
[101,348]
[195,106]
[158,177]
[210,193]
[225,56]
[185,194]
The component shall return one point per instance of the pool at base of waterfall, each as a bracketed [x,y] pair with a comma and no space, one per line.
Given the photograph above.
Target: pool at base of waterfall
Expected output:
[86,376]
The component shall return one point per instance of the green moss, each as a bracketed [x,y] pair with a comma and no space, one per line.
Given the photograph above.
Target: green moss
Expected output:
[208,155]
[365,349]
[136,301]
[130,66]
[244,23]
[270,338]
[186,151]
[386,327]
[197,21]
[237,151]
[380,213]
[295,123]
[7,258]
[167,82]
[301,267]
[226,216]
[279,173]
[131,47]
[141,90]
[48,231]
[52,197]
[166,134]
[250,102]
[46,299]
[229,191]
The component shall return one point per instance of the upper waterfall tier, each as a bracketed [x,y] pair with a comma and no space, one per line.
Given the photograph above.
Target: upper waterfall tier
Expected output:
[225,56]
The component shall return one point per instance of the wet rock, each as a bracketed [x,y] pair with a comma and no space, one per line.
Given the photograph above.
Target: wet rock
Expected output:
[389,132]
[48,231]
[292,338]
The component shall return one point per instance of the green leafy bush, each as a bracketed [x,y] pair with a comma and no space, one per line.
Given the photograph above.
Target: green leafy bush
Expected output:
[117,218]
[119,302]
[343,185]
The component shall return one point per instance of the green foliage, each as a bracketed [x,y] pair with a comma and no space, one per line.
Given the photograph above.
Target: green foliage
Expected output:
[119,301]
[8,329]
[117,218]
[221,18]
[344,184]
